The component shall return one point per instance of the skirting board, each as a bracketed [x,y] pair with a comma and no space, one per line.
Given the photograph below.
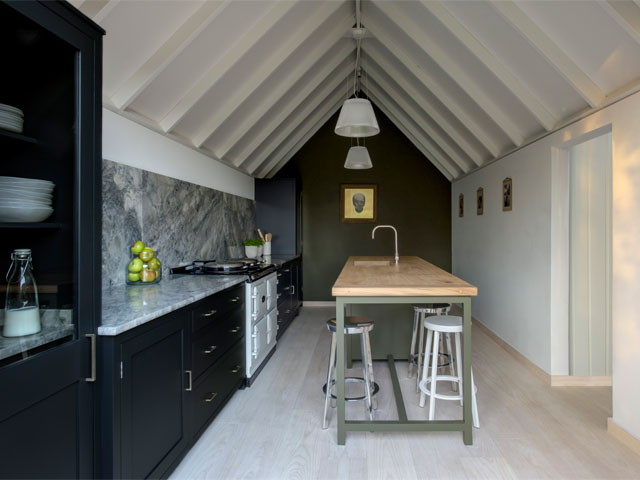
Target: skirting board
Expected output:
[623,436]
[319,304]
[576,381]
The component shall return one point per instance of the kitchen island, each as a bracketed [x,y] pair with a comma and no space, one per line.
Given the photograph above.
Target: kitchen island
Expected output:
[378,280]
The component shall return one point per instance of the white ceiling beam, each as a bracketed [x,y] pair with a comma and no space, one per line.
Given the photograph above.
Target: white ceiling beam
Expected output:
[528,99]
[427,154]
[450,102]
[97,10]
[316,20]
[457,74]
[429,109]
[626,15]
[437,156]
[329,104]
[170,49]
[298,109]
[264,104]
[552,53]
[239,49]
[310,133]
[411,110]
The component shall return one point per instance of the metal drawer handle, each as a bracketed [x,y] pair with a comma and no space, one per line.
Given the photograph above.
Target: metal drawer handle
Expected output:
[236,369]
[235,299]
[286,270]
[279,295]
[279,275]
[92,337]
[293,289]
[210,398]
[190,387]
[235,329]
[210,313]
[210,350]
[287,311]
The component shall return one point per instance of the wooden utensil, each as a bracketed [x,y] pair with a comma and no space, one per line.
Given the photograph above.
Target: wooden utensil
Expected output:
[261,236]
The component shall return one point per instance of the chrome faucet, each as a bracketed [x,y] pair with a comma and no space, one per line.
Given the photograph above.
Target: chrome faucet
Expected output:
[373,235]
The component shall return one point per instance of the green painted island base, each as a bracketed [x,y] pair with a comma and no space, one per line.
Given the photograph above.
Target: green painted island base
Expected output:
[403,424]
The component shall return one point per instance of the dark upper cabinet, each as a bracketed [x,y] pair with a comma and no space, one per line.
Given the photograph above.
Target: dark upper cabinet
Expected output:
[278,211]
[51,70]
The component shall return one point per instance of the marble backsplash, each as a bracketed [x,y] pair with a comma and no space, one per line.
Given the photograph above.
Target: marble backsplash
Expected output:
[181,220]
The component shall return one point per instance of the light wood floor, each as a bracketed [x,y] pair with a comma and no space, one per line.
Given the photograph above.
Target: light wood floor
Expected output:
[528,430]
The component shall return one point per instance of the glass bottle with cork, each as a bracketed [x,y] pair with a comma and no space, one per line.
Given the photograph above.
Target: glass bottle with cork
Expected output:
[21,308]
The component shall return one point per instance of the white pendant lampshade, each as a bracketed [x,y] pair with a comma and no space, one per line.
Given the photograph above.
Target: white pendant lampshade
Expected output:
[358,159]
[357,119]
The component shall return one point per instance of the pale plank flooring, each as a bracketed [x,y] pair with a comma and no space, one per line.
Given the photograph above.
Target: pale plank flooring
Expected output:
[528,430]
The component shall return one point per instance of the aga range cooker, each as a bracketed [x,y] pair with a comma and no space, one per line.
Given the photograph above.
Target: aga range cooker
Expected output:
[261,300]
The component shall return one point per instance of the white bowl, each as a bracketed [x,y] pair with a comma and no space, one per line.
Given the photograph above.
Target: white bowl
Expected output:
[25,181]
[24,214]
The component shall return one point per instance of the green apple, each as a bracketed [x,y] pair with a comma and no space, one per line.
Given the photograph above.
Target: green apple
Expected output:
[148,275]
[146,254]
[134,277]
[137,247]
[135,265]
[154,264]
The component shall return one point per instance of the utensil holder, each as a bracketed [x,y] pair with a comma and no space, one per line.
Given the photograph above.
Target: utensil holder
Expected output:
[267,248]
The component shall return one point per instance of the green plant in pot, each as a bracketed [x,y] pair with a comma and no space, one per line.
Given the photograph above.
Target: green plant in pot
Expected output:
[253,247]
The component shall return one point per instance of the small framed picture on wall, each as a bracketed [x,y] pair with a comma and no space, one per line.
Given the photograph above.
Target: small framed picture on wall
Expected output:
[507,195]
[480,201]
[461,205]
[358,203]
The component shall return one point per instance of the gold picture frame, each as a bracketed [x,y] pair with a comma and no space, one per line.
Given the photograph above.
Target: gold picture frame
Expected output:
[358,203]
[461,205]
[480,201]
[507,195]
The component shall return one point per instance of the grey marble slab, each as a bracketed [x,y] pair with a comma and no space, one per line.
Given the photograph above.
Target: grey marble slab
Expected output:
[126,307]
[181,220]
[56,324]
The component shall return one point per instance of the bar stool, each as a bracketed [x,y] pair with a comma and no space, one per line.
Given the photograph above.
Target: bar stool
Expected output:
[352,326]
[420,312]
[437,325]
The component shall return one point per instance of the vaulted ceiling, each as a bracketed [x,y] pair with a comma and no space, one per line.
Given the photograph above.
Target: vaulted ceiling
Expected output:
[248,82]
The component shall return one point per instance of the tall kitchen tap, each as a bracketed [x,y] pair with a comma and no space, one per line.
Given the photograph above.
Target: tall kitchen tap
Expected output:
[373,235]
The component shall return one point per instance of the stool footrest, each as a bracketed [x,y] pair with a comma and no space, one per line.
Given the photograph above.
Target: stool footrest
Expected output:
[376,388]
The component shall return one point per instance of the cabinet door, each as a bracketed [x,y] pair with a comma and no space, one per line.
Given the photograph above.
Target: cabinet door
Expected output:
[153,400]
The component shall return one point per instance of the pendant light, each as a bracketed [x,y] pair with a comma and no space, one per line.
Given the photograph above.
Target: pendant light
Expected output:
[358,159]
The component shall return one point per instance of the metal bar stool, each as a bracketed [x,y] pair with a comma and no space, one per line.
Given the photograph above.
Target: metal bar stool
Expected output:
[420,312]
[436,326]
[352,326]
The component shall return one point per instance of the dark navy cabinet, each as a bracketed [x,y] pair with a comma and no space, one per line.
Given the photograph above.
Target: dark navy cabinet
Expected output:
[278,211]
[289,293]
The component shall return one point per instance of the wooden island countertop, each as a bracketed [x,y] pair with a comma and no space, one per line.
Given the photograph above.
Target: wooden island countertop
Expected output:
[411,277]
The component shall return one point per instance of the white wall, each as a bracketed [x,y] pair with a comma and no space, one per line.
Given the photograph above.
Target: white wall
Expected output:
[125,141]
[518,259]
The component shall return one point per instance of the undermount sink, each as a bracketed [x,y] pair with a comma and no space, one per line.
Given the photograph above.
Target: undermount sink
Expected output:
[371,263]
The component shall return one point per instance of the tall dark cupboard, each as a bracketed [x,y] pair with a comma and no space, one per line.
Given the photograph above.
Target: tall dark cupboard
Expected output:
[52,71]
[279,211]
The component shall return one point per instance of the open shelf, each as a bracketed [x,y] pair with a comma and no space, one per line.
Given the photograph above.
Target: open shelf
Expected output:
[17,136]
[45,225]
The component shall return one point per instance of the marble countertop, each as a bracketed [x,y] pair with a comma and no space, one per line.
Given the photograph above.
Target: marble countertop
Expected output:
[126,307]
[281,259]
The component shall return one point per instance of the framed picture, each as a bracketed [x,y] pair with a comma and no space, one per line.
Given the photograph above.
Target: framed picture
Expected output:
[507,195]
[461,205]
[358,203]
[480,201]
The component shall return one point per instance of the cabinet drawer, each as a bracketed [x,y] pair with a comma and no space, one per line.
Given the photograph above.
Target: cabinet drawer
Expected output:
[211,309]
[218,383]
[212,343]
[284,278]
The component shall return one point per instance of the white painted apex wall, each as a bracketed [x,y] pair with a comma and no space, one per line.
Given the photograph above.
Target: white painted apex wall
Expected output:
[518,259]
[130,143]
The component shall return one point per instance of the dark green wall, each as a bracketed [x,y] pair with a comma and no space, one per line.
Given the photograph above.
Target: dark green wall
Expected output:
[413,196]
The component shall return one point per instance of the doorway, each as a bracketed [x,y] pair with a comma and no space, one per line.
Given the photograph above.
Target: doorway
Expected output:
[590,257]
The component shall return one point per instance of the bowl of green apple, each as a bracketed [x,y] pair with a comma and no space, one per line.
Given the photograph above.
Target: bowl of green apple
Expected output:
[144,267]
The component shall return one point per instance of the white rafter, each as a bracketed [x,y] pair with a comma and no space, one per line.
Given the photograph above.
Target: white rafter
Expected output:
[411,110]
[310,133]
[298,131]
[231,57]
[450,102]
[492,63]
[97,10]
[437,156]
[297,109]
[264,104]
[457,74]
[553,54]
[428,108]
[259,74]
[170,49]
[625,14]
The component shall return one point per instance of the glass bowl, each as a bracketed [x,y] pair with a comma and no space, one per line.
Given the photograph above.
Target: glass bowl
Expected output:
[142,270]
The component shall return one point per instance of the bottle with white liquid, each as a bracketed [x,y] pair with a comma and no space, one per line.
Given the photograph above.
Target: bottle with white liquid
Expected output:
[21,308]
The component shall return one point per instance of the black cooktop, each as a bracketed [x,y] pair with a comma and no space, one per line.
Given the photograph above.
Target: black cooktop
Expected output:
[252,267]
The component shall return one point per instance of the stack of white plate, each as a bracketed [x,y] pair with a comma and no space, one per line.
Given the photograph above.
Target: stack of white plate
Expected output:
[25,199]
[11,118]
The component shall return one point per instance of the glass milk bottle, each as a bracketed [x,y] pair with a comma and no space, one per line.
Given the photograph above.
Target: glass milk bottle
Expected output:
[21,308]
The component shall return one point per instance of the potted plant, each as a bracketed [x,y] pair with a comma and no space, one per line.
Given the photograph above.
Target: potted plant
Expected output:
[253,247]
